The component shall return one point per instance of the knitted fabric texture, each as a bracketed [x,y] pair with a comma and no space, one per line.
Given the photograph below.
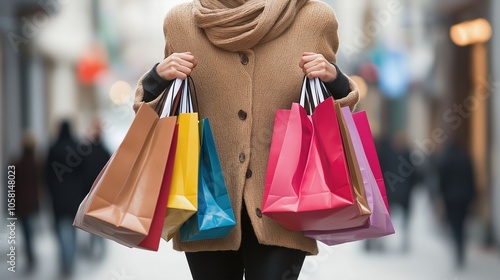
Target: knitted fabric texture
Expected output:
[237,25]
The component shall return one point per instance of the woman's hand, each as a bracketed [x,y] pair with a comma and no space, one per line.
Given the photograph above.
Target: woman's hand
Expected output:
[177,65]
[316,66]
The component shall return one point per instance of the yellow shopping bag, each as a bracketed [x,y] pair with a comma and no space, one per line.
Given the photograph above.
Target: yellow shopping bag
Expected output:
[183,198]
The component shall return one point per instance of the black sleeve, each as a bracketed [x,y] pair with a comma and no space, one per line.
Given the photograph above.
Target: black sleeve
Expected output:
[153,85]
[339,88]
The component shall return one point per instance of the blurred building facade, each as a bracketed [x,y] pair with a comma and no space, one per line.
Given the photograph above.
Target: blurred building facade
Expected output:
[431,84]
[495,152]
[60,59]
[472,88]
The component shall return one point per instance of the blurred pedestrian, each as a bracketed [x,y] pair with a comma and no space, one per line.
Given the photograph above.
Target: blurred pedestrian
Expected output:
[95,158]
[28,181]
[400,177]
[457,188]
[93,162]
[65,182]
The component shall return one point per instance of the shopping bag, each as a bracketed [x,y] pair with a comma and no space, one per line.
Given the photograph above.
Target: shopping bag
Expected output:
[152,240]
[379,223]
[288,155]
[341,169]
[363,127]
[215,217]
[122,202]
[183,196]
[312,181]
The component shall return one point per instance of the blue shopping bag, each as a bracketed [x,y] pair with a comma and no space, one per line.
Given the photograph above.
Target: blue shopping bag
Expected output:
[215,217]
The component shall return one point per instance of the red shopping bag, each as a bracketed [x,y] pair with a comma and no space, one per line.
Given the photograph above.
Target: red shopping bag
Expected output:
[152,240]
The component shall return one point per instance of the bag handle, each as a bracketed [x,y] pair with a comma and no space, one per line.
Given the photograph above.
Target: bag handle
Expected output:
[187,102]
[192,88]
[304,96]
[175,102]
[316,93]
[311,93]
[186,105]
[169,100]
[161,102]
[178,99]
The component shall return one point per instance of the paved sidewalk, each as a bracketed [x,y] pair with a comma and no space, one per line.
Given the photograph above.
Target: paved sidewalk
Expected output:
[429,258]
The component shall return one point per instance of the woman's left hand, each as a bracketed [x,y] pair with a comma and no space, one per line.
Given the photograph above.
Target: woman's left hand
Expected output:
[315,65]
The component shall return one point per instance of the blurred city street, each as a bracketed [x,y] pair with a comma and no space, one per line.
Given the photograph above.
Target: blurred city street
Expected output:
[428,258]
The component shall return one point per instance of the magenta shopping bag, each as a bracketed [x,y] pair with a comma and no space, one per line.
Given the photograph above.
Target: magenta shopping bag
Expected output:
[379,223]
[309,183]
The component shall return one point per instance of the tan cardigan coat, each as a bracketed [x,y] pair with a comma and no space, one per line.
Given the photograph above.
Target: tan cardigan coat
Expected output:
[240,92]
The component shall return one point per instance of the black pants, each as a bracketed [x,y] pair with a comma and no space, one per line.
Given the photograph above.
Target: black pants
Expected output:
[457,214]
[256,261]
[27,227]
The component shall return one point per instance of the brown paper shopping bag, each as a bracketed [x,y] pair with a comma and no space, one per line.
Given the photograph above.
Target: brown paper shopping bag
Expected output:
[122,201]
[354,169]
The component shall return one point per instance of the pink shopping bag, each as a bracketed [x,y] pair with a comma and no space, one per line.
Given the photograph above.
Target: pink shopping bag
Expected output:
[365,134]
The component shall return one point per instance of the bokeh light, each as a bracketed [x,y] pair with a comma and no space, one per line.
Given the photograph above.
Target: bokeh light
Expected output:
[471,32]
[120,92]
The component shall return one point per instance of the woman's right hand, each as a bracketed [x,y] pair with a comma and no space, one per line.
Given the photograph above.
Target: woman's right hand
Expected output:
[177,65]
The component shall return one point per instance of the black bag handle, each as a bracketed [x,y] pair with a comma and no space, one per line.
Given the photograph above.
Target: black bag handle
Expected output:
[183,97]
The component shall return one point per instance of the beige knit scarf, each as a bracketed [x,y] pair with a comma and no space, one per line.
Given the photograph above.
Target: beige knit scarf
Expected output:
[237,25]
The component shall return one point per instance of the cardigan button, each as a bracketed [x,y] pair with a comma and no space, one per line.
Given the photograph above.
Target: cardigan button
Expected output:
[244,59]
[242,115]
[242,157]
[249,173]
[258,212]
